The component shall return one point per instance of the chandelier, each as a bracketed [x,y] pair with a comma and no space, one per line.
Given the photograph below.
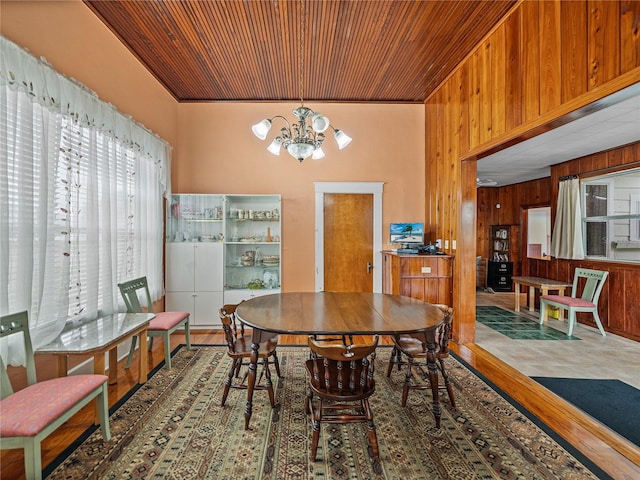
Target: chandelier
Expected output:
[304,138]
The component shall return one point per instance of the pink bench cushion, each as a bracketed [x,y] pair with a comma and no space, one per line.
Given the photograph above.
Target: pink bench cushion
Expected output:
[568,301]
[27,412]
[167,320]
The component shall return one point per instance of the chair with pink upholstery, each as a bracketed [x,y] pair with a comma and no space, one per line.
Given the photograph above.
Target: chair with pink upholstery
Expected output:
[163,325]
[29,415]
[593,280]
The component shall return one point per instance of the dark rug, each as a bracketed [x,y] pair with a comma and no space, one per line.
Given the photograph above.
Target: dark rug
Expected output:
[173,427]
[517,326]
[611,402]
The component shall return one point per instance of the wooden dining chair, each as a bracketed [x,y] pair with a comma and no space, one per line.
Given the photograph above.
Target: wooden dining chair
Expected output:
[341,376]
[164,323]
[29,415]
[239,349]
[414,348]
[587,301]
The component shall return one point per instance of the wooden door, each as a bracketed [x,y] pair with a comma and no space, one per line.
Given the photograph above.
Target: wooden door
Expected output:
[348,242]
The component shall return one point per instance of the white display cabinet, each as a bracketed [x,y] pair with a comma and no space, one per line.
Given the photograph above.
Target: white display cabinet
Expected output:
[220,249]
[252,246]
[195,218]
[194,258]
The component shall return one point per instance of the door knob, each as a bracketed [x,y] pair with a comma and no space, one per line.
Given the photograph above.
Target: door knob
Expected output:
[369,267]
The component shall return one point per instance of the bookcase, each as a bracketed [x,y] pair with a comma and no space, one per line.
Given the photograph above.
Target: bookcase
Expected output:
[500,265]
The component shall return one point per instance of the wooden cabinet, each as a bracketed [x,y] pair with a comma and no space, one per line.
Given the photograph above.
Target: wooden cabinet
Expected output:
[425,277]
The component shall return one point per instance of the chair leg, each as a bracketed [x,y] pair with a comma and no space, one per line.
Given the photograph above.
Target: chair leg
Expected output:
[33,459]
[187,334]
[407,383]
[167,350]
[394,359]
[267,374]
[308,401]
[598,322]
[447,382]
[571,318]
[543,311]
[373,437]
[276,363]
[134,341]
[227,384]
[103,412]
[317,417]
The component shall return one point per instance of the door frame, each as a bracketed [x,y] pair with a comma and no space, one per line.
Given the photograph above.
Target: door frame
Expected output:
[372,188]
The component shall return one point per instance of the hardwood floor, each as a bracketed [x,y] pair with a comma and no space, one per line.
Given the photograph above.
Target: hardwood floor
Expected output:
[615,455]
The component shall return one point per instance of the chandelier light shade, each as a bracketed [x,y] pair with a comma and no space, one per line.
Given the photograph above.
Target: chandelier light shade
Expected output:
[304,138]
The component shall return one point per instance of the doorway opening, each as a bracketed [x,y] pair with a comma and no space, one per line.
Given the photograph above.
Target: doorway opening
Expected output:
[538,233]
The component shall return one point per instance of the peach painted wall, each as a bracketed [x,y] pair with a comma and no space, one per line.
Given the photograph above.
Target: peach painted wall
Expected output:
[219,153]
[76,42]
[214,150]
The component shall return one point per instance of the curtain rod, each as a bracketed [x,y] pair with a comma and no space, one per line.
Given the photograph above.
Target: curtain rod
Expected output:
[613,169]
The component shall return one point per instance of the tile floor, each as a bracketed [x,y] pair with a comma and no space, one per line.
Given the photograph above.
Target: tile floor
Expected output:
[587,355]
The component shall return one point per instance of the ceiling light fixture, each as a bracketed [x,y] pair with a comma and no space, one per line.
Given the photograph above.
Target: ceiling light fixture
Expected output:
[303,139]
[485,182]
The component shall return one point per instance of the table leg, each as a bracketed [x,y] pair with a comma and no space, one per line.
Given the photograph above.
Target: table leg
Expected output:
[98,363]
[532,298]
[144,359]
[433,379]
[113,366]
[61,365]
[251,382]
[517,290]
[544,291]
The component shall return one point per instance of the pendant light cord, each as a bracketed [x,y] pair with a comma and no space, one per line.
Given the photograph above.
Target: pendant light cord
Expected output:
[302,22]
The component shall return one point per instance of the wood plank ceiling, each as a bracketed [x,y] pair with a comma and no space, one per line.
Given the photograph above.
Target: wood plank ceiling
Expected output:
[249,50]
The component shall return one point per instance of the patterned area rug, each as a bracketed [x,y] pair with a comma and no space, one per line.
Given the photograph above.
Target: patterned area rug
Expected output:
[173,427]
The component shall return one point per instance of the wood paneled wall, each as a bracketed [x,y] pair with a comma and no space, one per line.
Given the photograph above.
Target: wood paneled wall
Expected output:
[512,200]
[545,60]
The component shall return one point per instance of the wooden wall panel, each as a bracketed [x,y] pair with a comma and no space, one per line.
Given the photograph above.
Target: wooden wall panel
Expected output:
[474,100]
[629,35]
[484,64]
[513,72]
[574,49]
[550,55]
[546,59]
[530,60]
[603,41]
[498,82]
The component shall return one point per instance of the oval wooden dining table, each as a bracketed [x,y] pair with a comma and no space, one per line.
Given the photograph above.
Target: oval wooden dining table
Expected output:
[341,313]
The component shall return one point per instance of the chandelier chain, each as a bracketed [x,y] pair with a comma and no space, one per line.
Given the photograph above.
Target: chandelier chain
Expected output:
[302,23]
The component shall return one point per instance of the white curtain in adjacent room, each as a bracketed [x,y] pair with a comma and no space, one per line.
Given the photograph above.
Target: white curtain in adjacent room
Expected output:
[566,239]
[81,190]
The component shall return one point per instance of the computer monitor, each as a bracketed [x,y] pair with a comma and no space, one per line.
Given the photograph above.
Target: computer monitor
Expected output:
[406,233]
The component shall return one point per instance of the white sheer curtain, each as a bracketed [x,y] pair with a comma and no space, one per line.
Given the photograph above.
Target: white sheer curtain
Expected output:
[566,239]
[81,188]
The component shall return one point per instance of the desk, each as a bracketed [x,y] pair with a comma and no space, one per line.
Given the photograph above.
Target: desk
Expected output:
[333,313]
[544,284]
[98,336]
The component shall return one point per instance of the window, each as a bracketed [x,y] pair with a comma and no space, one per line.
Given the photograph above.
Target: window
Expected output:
[611,216]
[81,189]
